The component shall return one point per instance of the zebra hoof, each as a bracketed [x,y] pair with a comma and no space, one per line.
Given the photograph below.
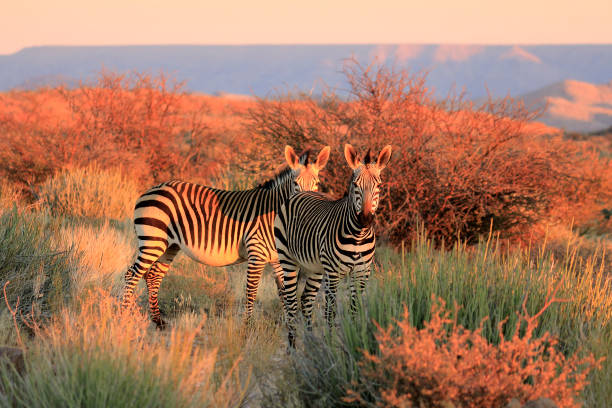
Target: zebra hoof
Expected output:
[160,323]
[248,323]
[291,345]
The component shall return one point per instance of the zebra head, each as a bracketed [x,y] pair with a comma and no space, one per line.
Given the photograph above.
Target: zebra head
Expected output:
[364,190]
[305,171]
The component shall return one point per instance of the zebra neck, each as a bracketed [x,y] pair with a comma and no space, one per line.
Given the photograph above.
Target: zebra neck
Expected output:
[356,225]
[279,193]
[279,188]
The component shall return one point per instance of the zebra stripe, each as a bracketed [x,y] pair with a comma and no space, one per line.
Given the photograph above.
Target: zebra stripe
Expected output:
[325,238]
[214,227]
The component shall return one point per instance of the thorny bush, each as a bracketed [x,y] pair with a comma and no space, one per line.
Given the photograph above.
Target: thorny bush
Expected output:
[458,167]
[147,124]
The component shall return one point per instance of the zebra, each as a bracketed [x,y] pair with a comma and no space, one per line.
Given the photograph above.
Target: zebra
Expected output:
[214,227]
[321,237]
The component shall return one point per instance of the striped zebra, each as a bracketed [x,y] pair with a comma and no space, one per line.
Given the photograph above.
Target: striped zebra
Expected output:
[214,227]
[323,237]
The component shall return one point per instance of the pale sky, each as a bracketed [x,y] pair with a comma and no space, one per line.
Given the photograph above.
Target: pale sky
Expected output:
[25,23]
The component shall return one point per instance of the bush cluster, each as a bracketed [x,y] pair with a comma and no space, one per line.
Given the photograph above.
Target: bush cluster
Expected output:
[147,124]
[459,167]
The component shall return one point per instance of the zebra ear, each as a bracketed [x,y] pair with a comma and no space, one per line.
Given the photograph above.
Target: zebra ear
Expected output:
[383,157]
[292,159]
[322,158]
[351,156]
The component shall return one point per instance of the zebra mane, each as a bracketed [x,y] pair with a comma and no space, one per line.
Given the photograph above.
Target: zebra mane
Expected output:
[285,173]
[368,159]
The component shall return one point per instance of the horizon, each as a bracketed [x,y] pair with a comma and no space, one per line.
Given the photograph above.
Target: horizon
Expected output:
[305,45]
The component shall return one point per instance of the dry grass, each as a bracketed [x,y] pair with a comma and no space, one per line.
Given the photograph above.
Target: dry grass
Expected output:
[489,284]
[90,192]
[9,195]
[103,356]
[40,275]
[103,252]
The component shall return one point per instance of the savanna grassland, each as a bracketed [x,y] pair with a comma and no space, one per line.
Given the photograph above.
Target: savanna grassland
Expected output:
[492,278]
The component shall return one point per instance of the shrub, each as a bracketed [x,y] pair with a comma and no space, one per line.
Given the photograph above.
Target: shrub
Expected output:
[90,192]
[458,167]
[147,124]
[443,362]
[98,355]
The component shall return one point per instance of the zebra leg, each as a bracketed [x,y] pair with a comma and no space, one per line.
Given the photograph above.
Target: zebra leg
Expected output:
[358,282]
[154,279]
[278,277]
[290,280]
[332,280]
[147,255]
[132,276]
[254,271]
[313,283]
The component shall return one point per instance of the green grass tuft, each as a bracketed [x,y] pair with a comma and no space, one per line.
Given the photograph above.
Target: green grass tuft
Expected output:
[40,275]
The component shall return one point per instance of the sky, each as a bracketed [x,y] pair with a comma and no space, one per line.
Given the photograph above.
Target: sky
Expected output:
[25,23]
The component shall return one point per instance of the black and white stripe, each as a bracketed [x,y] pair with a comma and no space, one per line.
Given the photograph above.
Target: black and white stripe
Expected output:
[214,227]
[319,238]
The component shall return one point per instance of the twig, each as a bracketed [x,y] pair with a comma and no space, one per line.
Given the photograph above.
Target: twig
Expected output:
[13,313]
[551,297]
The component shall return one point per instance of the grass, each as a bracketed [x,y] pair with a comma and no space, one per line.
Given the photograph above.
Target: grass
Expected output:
[103,251]
[9,196]
[69,263]
[487,285]
[90,192]
[98,355]
[40,275]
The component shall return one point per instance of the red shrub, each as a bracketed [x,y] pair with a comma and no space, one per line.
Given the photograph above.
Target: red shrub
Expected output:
[444,363]
[456,166]
[148,125]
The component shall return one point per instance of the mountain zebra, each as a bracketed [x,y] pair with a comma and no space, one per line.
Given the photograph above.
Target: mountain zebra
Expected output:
[214,227]
[324,237]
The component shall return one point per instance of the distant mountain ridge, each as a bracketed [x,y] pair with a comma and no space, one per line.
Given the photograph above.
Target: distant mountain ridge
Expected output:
[574,105]
[260,69]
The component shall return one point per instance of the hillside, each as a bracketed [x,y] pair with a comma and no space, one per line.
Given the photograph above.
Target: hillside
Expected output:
[531,214]
[261,69]
[574,105]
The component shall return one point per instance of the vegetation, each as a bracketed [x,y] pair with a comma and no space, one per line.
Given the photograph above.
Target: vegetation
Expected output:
[97,355]
[90,192]
[487,288]
[444,362]
[458,167]
[72,162]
